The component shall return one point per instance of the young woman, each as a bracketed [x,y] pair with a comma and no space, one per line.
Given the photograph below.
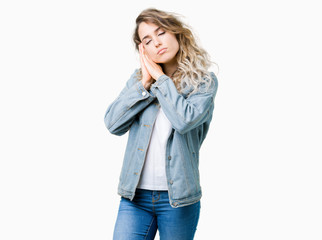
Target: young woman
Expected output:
[167,106]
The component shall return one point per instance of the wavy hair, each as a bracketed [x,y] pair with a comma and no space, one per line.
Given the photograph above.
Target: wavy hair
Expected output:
[192,60]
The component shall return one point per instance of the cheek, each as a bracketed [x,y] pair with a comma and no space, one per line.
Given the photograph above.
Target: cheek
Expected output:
[172,39]
[175,43]
[147,50]
[175,46]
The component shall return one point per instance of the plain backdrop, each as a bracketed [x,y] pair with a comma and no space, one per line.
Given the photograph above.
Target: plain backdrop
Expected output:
[63,62]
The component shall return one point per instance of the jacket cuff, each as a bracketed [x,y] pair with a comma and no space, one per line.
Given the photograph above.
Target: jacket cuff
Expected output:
[158,84]
[143,92]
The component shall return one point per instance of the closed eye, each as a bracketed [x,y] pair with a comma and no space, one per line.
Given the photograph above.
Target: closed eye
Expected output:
[158,35]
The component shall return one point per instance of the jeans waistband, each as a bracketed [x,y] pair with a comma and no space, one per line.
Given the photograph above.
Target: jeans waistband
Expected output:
[149,191]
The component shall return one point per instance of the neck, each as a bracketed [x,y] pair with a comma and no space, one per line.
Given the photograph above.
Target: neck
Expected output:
[169,68]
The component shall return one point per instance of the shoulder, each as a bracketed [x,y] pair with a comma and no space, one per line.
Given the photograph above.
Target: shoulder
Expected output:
[214,78]
[210,83]
[135,77]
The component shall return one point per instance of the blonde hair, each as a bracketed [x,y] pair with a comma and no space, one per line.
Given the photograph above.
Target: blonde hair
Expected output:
[192,60]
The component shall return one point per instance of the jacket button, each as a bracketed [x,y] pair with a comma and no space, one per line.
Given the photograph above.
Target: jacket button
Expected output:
[171,182]
[143,93]
[169,157]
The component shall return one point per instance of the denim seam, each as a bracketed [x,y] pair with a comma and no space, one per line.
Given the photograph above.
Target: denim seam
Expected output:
[170,103]
[190,198]
[191,161]
[183,204]
[185,169]
[122,113]
[175,110]
[149,228]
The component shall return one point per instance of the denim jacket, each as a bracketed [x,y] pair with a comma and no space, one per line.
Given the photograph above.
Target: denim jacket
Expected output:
[135,110]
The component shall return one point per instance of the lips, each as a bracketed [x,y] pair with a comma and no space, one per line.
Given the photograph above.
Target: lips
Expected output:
[162,50]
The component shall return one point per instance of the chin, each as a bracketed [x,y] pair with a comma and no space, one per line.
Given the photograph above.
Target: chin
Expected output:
[160,61]
[165,60]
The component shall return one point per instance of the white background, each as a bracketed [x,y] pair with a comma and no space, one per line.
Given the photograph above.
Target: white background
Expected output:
[63,62]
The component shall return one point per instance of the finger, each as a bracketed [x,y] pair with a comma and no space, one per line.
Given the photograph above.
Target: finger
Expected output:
[144,60]
[144,56]
[147,65]
[148,59]
[143,50]
[140,49]
[141,55]
[141,61]
[143,66]
[147,56]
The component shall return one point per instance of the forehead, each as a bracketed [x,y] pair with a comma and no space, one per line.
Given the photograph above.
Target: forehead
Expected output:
[146,28]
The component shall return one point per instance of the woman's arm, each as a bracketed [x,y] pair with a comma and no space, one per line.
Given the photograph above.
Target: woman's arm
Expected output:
[121,113]
[184,114]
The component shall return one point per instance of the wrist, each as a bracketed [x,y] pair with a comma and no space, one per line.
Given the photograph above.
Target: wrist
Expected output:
[146,86]
[158,76]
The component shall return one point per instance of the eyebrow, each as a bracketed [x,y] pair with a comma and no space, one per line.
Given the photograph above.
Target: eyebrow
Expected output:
[149,35]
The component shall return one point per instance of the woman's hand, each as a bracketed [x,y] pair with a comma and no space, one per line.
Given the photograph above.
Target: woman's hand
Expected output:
[149,68]
[146,77]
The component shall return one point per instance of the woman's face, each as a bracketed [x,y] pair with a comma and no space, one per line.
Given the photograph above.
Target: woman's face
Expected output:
[154,39]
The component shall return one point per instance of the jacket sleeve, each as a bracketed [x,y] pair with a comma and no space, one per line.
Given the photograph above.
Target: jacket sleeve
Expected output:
[184,113]
[121,113]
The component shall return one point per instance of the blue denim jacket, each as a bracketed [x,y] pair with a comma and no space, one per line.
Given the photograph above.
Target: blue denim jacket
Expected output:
[135,109]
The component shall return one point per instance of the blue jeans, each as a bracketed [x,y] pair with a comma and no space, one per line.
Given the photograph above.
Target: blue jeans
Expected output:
[151,210]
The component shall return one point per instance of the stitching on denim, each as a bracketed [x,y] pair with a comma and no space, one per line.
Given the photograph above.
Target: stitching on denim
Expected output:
[185,168]
[183,119]
[183,204]
[190,198]
[205,112]
[191,160]
[121,95]
[156,199]
[124,112]
[149,228]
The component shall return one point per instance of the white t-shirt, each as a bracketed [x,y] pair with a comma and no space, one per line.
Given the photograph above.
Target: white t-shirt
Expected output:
[153,176]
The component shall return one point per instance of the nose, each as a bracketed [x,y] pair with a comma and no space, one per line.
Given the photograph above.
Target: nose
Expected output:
[156,42]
